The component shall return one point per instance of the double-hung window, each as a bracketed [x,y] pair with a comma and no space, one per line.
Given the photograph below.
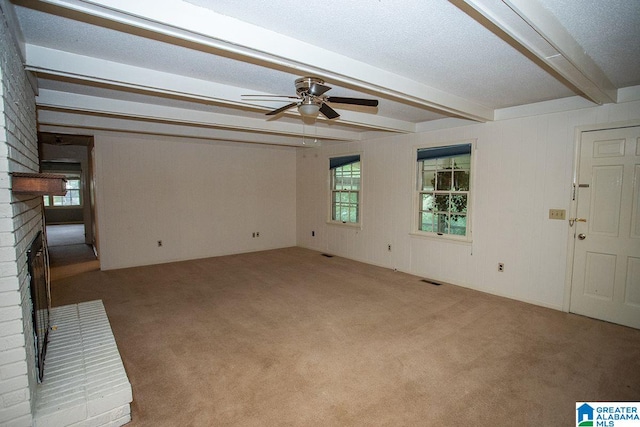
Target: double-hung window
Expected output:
[71,199]
[345,189]
[443,191]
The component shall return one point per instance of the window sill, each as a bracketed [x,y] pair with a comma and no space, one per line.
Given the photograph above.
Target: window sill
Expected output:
[444,238]
[356,226]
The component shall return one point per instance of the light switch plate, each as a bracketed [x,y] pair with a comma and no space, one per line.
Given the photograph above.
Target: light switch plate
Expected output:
[557,214]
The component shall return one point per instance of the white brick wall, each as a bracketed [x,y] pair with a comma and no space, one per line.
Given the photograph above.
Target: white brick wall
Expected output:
[20,220]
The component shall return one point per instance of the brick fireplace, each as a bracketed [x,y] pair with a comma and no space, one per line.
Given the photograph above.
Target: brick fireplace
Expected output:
[24,402]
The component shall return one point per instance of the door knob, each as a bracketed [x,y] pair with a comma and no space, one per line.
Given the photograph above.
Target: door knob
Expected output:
[582,236]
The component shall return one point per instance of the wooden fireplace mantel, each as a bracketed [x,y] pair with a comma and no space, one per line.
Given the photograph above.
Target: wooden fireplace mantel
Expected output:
[39,184]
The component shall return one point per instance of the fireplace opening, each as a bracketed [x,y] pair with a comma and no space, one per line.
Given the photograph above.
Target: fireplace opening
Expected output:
[40,300]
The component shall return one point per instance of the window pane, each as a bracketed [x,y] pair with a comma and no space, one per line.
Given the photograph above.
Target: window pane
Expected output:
[461,180]
[444,180]
[426,221]
[442,202]
[461,162]
[344,213]
[57,200]
[458,203]
[427,202]
[355,183]
[353,214]
[444,163]
[344,197]
[73,184]
[442,223]
[46,200]
[353,198]
[428,180]
[458,225]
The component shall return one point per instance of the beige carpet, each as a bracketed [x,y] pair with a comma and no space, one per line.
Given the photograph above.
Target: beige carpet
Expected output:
[291,338]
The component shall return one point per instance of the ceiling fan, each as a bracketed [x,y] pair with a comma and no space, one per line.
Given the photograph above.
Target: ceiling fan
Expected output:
[311,99]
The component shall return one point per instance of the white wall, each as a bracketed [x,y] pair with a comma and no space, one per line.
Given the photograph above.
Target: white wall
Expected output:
[20,220]
[200,199]
[523,167]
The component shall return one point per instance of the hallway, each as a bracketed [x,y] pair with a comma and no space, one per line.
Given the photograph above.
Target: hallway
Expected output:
[68,254]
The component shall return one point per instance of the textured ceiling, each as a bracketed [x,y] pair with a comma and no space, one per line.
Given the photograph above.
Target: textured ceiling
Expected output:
[428,41]
[424,60]
[609,31]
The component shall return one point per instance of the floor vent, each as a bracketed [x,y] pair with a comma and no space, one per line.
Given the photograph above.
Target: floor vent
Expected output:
[431,282]
[327,255]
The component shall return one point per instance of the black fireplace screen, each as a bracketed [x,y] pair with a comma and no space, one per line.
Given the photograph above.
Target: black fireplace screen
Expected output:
[39,299]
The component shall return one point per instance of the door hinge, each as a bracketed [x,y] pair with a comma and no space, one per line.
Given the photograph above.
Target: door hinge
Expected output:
[574,192]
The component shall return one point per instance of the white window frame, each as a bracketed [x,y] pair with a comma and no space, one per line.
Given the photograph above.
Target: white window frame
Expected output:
[69,176]
[331,190]
[415,230]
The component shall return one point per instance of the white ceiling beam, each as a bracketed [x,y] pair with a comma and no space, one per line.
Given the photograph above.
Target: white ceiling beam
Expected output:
[47,119]
[115,107]
[529,25]
[185,21]
[46,61]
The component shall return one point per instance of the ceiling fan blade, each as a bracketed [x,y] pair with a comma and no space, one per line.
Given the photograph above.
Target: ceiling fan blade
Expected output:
[271,96]
[281,109]
[328,112]
[353,101]
[318,89]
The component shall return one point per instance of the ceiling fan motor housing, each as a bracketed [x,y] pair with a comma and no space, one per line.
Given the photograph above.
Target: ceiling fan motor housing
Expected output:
[303,84]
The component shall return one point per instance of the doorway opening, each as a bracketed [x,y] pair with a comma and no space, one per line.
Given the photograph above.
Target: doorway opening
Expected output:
[70,219]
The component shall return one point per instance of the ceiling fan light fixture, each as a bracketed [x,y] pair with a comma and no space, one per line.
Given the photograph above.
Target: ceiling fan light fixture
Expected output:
[309,107]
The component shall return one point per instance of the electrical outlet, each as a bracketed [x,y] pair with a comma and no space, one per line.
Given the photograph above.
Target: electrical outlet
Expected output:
[159,243]
[501,267]
[389,248]
[557,214]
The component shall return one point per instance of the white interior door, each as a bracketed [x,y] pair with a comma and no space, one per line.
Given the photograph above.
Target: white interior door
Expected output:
[606,264]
